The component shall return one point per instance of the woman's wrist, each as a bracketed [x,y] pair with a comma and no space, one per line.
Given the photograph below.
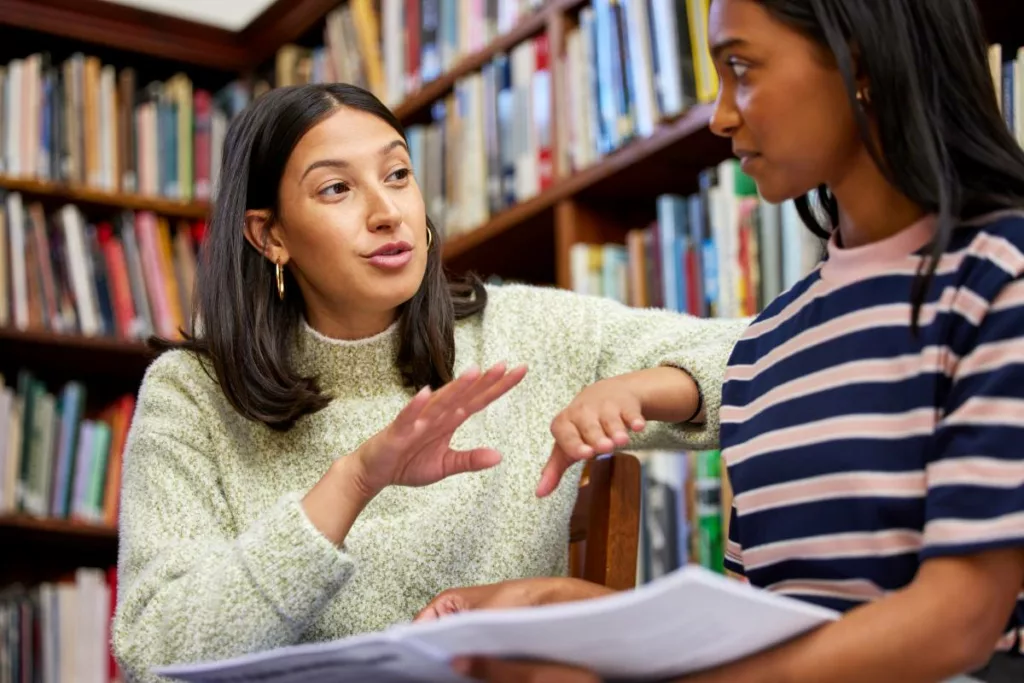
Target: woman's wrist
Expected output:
[334,502]
[667,394]
[569,590]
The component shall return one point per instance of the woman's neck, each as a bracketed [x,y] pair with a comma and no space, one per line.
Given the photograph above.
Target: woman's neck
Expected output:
[870,207]
[350,326]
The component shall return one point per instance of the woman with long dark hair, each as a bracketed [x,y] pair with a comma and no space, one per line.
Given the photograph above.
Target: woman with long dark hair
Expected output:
[289,471]
[873,415]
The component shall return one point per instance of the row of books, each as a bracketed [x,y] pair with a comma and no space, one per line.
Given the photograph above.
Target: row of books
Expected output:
[723,251]
[59,456]
[628,67]
[89,124]
[1008,78]
[395,47]
[490,143]
[58,632]
[128,277]
[682,520]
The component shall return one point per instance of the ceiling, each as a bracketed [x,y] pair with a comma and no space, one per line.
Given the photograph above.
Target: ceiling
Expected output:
[229,14]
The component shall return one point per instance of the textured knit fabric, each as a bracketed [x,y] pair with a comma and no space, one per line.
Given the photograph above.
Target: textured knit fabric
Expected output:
[857,450]
[217,557]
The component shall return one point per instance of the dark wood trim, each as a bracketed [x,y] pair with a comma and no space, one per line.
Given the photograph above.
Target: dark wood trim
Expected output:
[74,342]
[283,22]
[93,197]
[57,527]
[128,28]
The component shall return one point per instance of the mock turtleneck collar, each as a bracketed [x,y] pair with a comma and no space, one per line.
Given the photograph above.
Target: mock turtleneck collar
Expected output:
[353,368]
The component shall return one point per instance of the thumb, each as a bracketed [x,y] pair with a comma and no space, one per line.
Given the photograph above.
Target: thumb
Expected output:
[442,605]
[459,462]
[552,473]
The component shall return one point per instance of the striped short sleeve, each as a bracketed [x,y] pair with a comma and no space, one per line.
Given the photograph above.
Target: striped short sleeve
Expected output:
[975,477]
[733,550]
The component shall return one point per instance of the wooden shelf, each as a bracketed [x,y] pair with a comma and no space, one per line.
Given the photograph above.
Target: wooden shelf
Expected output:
[40,549]
[689,131]
[94,197]
[114,366]
[128,28]
[57,527]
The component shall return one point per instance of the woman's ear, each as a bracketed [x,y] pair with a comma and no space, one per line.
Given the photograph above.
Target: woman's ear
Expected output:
[264,234]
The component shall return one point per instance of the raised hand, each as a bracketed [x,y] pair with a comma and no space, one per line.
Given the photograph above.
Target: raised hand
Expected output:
[599,420]
[415,449]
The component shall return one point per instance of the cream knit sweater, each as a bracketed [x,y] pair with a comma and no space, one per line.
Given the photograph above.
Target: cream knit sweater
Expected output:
[217,557]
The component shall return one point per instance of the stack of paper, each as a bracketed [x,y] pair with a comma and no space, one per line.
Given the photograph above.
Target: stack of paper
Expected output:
[689,620]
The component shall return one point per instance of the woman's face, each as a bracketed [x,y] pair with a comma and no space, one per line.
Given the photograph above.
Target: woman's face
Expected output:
[352,220]
[782,102]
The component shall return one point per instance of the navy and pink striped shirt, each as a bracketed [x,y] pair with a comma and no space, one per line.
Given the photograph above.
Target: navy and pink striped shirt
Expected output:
[858,450]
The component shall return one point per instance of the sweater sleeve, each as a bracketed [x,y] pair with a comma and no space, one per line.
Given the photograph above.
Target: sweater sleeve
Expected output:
[191,586]
[632,339]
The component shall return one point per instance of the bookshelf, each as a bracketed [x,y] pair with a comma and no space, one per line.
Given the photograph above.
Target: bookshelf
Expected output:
[588,199]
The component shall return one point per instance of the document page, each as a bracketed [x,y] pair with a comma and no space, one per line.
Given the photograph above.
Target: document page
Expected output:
[689,620]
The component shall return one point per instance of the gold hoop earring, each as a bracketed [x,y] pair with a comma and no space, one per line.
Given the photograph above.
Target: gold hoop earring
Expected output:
[430,239]
[280,281]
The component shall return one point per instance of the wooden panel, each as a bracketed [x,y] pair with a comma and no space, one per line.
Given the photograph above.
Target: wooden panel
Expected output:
[38,550]
[128,28]
[283,22]
[1004,23]
[93,197]
[115,366]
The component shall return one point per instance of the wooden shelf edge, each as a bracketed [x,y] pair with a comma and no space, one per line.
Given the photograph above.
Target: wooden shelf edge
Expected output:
[132,29]
[74,341]
[167,207]
[435,89]
[689,123]
[63,527]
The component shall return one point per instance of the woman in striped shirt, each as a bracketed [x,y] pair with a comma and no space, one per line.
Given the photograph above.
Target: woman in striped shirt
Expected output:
[873,415]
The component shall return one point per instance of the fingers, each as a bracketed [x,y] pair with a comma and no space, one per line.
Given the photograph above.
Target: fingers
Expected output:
[593,433]
[485,395]
[567,438]
[405,422]
[444,604]
[614,427]
[448,396]
[502,671]
[469,394]
[552,473]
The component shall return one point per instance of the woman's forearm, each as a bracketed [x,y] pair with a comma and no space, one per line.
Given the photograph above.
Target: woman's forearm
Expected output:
[944,624]
[334,502]
[666,394]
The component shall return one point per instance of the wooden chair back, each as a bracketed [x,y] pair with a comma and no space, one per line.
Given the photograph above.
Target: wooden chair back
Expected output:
[604,534]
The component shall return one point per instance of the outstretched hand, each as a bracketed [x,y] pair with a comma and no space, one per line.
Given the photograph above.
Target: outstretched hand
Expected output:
[599,420]
[415,449]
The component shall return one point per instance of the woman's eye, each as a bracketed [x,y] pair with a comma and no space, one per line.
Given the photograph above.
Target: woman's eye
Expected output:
[400,174]
[739,70]
[334,189]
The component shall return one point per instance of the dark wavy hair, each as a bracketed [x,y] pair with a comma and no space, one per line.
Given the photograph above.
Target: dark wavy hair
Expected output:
[942,140]
[240,324]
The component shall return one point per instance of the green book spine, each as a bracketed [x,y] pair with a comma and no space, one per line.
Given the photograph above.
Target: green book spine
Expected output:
[709,510]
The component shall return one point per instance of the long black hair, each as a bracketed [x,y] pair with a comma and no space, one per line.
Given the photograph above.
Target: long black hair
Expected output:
[241,325]
[941,138]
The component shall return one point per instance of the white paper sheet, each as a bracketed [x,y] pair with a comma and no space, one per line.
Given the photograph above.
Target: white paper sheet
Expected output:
[688,620]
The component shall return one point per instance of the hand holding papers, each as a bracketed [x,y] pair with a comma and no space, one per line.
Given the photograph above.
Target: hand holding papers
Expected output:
[690,620]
